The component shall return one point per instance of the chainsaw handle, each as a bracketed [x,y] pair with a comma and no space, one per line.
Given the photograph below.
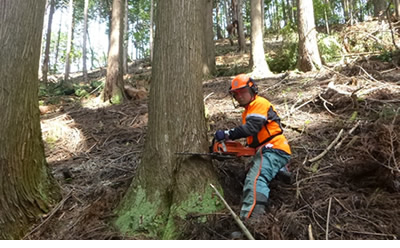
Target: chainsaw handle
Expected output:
[224,149]
[223,146]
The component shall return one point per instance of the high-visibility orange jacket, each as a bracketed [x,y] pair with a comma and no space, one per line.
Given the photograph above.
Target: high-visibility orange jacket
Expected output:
[261,125]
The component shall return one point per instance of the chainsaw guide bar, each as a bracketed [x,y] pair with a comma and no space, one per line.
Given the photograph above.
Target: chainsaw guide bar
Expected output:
[224,150]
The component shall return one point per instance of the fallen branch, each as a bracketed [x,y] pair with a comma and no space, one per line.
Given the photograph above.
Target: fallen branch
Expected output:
[326,107]
[235,217]
[292,109]
[310,235]
[208,96]
[327,218]
[327,149]
[347,135]
[356,54]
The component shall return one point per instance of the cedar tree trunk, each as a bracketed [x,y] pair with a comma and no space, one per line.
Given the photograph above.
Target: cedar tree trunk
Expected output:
[114,88]
[309,58]
[257,58]
[45,67]
[168,187]
[26,187]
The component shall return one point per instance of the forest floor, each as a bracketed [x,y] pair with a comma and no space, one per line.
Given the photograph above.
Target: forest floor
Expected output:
[351,192]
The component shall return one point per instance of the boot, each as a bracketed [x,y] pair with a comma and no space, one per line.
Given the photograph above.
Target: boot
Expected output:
[259,208]
[285,176]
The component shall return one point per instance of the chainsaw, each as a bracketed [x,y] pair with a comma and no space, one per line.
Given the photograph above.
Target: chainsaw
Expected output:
[225,149]
[228,149]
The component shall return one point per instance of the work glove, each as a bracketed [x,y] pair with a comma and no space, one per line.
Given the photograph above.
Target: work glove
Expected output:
[221,135]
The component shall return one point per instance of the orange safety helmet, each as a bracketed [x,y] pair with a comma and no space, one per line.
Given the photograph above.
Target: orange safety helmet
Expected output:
[242,81]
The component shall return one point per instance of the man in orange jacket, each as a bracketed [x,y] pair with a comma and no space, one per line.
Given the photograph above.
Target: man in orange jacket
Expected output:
[262,127]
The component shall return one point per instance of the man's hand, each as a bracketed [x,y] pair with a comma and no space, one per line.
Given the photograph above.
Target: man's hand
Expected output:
[221,135]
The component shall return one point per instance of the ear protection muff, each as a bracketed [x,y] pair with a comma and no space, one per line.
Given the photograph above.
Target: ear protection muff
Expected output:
[252,85]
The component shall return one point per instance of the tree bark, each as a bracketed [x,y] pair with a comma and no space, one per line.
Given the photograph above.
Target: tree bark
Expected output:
[309,58]
[257,58]
[26,186]
[218,21]
[209,60]
[290,11]
[241,38]
[125,42]
[348,10]
[151,29]
[262,17]
[84,49]
[228,14]
[284,15]
[92,55]
[379,8]
[234,11]
[57,46]
[167,187]
[276,16]
[114,88]
[326,7]
[294,10]
[397,8]
[69,41]
[46,61]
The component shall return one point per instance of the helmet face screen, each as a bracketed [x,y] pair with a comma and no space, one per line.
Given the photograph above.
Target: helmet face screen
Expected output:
[240,91]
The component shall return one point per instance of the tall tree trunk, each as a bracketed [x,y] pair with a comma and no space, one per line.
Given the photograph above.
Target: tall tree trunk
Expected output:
[397,8]
[348,10]
[257,58]
[271,24]
[228,14]
[209,60]
[114,88]
[69,41]
[351,14]
[92,55]
[151,29]
[46,61]
[168,188]
[294,10]
[27,189]
[125,44]
[57,45]
[309,58]
[218,21]
[289,11]
[345,10]
[360,10]
[84,49]
[234,12]
[241,38]
[276,16]
[326,7]
[284,13]
[262,16]
[379,8]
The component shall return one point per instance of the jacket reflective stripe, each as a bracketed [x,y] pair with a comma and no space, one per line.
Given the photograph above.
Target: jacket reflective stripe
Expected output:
[256,115]
[262,108]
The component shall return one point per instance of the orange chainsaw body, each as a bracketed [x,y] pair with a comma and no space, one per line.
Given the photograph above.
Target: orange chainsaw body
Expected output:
[234,148]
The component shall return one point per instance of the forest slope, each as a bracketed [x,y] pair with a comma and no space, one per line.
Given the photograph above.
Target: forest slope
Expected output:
[351,192]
